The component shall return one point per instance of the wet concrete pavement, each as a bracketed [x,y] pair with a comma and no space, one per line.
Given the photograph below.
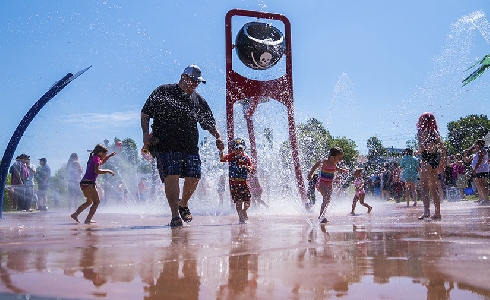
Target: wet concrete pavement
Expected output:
[387,254]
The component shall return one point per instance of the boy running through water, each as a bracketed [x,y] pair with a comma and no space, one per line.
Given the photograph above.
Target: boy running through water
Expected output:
[240,165]
[328,167]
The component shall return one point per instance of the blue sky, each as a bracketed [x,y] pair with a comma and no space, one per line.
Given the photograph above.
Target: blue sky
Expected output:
[363,68]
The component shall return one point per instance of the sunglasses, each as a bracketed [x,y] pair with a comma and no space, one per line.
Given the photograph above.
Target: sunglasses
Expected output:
[193,79]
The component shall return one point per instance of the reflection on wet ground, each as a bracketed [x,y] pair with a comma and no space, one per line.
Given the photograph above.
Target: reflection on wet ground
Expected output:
[388,254]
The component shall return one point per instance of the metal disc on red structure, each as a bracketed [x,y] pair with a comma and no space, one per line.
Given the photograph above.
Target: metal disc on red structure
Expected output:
[259,45]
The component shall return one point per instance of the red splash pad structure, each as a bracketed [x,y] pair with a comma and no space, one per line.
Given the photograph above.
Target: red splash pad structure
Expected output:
[240,88]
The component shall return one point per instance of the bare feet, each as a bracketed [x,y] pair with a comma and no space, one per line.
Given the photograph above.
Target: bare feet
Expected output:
[75,217]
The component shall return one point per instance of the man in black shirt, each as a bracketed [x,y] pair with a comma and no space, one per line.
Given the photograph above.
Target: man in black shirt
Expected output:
[176,109]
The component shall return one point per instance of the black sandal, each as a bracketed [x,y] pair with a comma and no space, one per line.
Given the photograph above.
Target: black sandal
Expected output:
[185,214]
[176,222]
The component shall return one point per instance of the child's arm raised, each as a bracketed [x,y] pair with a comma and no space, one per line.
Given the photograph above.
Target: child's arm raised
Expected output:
[107,158]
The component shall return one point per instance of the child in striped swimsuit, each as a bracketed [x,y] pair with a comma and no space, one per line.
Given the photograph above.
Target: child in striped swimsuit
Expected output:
[327,174]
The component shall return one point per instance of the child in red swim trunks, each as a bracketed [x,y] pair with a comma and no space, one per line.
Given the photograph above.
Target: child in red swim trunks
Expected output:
[240,165]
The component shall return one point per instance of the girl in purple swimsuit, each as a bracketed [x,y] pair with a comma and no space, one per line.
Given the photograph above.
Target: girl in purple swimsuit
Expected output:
[97,158]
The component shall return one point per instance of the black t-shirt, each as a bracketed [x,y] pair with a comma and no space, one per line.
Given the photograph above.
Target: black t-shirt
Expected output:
[175,116]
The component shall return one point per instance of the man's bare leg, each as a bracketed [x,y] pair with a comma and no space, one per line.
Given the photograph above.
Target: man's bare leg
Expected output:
[190,185]
[172,192]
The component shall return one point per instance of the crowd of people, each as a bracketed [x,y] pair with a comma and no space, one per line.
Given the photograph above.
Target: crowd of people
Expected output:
[24,174]
[426,174]
[457,175]
[175,111]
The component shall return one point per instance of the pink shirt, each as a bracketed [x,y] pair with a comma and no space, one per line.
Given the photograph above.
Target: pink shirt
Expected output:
[457,169]
[359,185]
[90,172]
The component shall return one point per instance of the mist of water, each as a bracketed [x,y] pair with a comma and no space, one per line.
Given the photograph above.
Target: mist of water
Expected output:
[441,91]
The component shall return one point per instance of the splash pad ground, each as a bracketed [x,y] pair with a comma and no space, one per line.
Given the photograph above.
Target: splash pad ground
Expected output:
[387,254]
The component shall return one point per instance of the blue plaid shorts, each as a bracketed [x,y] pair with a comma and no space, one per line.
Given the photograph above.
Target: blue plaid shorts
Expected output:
[177,163]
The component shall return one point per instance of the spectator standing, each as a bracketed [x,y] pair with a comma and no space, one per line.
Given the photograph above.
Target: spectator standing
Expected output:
[43,176]
[377,185]
[398,184]
[19,174]
[74,173]
[142,190]
[480,169]
[409,165]
[386,182]
[29,185]
[459,174]
[15,182]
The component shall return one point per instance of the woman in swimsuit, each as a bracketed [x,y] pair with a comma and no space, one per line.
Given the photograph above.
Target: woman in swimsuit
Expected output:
[432,151]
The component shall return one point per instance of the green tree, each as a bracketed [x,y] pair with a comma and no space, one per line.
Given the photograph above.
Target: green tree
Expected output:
[313,142]
[129,150]
[375,148]
[58,184]
[463,132]
[128,159]
[349,148]
[412,144]
[375,151]
[7,205]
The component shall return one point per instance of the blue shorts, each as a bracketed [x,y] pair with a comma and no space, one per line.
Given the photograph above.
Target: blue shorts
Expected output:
[177,163]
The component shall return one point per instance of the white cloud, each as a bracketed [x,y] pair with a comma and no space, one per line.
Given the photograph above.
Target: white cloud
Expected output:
[104,120]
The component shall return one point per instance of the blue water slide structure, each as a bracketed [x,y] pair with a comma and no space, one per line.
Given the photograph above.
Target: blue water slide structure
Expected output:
[24,123]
